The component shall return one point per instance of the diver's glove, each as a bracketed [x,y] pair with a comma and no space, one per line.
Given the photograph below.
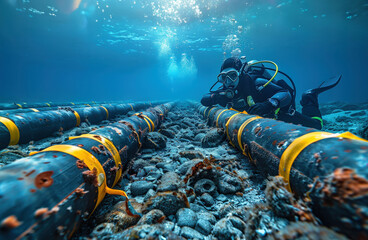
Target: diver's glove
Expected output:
[262,108]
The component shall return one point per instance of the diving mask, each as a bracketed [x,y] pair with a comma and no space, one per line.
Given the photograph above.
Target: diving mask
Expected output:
[229,77]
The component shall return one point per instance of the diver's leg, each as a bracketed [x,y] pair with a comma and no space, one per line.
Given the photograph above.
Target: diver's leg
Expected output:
[299,118]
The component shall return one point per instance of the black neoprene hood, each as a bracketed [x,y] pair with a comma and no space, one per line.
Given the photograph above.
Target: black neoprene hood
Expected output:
[232,62]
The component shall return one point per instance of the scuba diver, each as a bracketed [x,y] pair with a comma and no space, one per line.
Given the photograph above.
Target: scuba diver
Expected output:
[249,86]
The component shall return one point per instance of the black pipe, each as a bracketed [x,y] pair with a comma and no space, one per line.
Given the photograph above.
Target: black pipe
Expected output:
[48,194]
[330,169]
[25,127]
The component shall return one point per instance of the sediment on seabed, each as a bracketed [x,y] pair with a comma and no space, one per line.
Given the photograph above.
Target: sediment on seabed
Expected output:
[187,181]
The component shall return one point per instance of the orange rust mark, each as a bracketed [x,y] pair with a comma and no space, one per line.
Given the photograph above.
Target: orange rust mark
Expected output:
[54,156]
[30,173]
[32,190]
[239,194]
[10,222]
[97,137]
[81,164]
[91,177]
[281,143]
[274,142]
[44,179]
[20,178]
[347,150]
[334,157]
[95,149]
[161,219]
[40,212]
[257,129]
[343,184]
[364,147]
[80,145]
[102,148]
[80,192]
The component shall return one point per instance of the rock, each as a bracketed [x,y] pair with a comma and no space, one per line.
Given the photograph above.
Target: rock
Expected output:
[170,181]
[155,140]
[186,166]
[186,217]
[149,194]
[191,154]
[213,138]
[104,229]
[229,185]
[221,197]
[206,216]
[140,187]
[204,227]
[168,202]
[363,130]
[199,137]
[155,231]
[167,132]
[205,186]
[139,164]
[118,216]
[207,200]
[196,207]
[225,229]
[152,217]
[304,230]
[190,233]
[342,119]
[358,114]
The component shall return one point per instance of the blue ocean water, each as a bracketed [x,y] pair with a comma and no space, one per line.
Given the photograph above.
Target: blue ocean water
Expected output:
[104,50]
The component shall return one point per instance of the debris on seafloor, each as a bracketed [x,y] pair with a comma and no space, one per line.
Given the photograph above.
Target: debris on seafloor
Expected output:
[191,184]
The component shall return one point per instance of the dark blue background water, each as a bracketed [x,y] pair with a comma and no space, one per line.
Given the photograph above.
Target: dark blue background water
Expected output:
[63,50]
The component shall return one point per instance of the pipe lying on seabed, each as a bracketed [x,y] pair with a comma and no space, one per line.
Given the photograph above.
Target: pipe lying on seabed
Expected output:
[26,127]
[13,106]
[46,195]
[329,169]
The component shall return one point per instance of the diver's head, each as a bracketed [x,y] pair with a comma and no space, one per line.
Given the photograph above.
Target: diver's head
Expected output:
[229,75]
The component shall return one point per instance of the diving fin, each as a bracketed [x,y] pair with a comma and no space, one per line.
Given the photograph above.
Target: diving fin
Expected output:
[310,97]
[321,89]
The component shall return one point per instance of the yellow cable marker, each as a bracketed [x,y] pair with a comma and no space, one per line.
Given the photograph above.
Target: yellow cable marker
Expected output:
[219,116]
[72,103]
[299,144]
[107,112]
[227,127]
[13,130]
[34,109]
[131,106]
[20,106]
[209,112]
[92,163]
[152,123]
[77,117]
[204,113]
[48,104]
[112,149]
[241,129]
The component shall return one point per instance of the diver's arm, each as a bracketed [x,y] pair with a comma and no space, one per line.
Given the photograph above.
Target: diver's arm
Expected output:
[211,99]
[275,92]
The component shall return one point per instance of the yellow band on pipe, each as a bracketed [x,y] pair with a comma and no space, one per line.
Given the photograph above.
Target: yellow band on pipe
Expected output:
[20,106]
[91,162]
[227,127]
[152,123]
[72,103]
[77,117]
[13,130]
[48,104]
[241,129]
[204,113]
[209,112]
[112,149]
[131,106]
[299,144]
[219,116]
[34,109]
[107,112]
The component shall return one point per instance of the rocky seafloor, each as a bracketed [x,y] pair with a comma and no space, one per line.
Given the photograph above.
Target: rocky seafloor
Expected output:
[189,183]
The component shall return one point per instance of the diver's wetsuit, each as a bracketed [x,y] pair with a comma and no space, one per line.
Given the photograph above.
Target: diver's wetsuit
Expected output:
[246,91]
